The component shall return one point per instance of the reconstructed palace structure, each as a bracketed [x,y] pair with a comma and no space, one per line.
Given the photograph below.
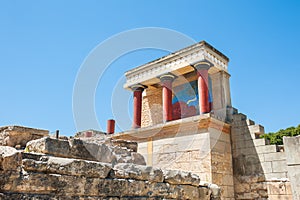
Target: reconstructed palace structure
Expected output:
[187,142]
[183,119]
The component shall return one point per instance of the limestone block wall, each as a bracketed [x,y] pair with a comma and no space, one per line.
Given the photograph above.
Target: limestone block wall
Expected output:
[259,169]
[152,107]
[292,148]
[206,153]
[220,93]
[221,162]
[189,153]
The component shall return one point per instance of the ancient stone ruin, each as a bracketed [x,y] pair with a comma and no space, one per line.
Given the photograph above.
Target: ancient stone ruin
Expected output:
[187,142]
[50,168]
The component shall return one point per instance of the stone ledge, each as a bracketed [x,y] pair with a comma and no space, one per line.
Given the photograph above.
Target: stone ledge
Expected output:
[65,166]
[181,127]
[103,151]
[18,135]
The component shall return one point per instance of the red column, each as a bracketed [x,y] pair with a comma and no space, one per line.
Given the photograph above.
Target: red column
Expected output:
[202,72]
[110,128]
[137,107]
[166,81]
[203,91]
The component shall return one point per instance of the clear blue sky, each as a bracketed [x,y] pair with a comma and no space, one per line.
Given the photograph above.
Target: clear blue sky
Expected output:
[44,43]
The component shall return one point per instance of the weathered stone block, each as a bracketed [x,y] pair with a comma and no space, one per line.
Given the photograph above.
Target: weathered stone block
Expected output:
[227,180]
[166,157]
[138,172]
[68,166]
[250,195]
[220,147]
[127,144]
[258,186]
[243,144]
[183,156]
[259,142]
[278,188]
[77,148]
[279,166]
[242,187]
[189,192]
[180,177]
[267,167]
[227,192]
[256,129]
[218,135]
[292,149]
[294,176]
[37,182]
[49,145]
[19,135]
[280,197]
[266,149]
[275,175]
[275,156]
[10,158]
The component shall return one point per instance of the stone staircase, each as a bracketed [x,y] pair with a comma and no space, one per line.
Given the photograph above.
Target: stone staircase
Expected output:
[257,162]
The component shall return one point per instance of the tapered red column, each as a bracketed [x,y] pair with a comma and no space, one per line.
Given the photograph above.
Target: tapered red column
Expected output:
[137,106]
[203,91]
[166,81]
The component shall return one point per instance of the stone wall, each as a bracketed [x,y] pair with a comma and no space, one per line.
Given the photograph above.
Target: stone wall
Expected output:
[292,148]
[260,170]
[41,176]
[195,144]
[152,106]
[189,153]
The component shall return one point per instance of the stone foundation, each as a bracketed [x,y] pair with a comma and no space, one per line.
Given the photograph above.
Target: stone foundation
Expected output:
[199,144]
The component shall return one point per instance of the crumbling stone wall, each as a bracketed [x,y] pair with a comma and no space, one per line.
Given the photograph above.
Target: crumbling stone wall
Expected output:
[56,169]
[48,177]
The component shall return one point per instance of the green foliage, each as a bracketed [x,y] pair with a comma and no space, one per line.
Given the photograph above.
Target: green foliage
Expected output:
[277,137]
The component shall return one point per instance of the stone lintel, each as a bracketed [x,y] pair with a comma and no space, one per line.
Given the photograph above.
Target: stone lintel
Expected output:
[173,62]
[181,127]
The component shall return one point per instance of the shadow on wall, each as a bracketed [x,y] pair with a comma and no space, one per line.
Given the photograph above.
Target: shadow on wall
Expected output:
[247,168]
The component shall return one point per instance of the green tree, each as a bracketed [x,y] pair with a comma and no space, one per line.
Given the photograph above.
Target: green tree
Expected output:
[277,137]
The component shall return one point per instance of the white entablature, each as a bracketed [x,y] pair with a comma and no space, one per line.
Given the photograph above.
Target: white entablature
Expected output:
[174,61]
